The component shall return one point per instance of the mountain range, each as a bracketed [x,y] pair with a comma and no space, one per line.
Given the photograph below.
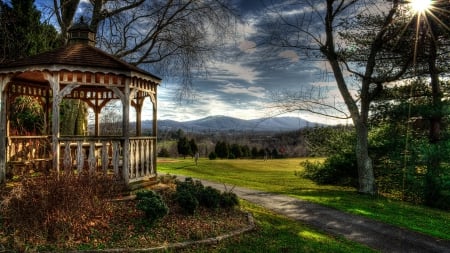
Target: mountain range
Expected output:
[224,123]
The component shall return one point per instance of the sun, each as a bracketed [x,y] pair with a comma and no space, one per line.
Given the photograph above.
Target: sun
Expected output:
[420,6]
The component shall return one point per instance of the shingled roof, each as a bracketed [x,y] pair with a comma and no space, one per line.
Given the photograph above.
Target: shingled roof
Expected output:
[75,55]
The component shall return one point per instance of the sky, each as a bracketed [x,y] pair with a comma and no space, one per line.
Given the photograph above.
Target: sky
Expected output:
[241,85]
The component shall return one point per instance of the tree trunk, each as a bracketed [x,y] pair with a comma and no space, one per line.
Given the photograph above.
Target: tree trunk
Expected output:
[365,166]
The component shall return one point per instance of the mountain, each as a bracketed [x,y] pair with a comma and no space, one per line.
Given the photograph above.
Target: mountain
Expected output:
[224,123]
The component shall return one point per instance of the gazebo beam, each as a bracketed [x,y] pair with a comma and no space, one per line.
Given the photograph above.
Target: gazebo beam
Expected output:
[3,82]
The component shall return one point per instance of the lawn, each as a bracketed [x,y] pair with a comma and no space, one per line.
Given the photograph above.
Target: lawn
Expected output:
[279,176]
[276,234]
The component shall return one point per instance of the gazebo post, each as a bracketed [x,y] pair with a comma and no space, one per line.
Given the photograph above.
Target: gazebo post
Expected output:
[155,129]
[126,103]
[3,82]
[138,107]
[53,80]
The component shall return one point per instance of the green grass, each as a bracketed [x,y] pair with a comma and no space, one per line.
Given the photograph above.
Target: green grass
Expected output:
[275,233]
[279,176]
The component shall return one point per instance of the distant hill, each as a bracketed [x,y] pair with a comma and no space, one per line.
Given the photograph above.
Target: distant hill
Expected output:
[224,123]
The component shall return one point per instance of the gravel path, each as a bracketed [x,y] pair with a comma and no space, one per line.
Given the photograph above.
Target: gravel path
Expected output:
[377,235]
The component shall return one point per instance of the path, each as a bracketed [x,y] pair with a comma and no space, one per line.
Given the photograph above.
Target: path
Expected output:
[377,235]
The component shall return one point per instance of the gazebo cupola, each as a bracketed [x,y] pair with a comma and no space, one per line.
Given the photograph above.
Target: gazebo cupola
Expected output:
[81,33]
[81,71]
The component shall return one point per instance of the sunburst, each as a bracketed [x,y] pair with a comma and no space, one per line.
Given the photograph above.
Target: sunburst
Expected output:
[420,6]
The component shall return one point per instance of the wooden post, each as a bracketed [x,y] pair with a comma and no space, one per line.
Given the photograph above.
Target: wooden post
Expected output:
[154,130]
[126,103]
[3,82]
[139,104]
[53,79]
[58,95]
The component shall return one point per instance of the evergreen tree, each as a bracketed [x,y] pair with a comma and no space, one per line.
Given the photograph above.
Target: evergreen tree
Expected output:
[21,31]
[183,147]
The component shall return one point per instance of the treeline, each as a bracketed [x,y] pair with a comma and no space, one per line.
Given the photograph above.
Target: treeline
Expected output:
[306,142]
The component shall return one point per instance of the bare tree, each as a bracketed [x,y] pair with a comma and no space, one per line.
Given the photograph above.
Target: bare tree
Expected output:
[174,38]
[315,29]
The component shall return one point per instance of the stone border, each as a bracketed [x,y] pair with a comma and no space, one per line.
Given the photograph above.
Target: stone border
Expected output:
[180,245]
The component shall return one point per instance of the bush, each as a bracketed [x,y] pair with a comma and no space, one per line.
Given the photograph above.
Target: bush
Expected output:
[190,194]
[164,153]
[187,201]
[339,169]
[212,156]
[228,199]
[152,205]
[210,197]
[57,209]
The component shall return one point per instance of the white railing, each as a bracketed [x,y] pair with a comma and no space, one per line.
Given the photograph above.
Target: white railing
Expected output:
[107,154]
[95,154]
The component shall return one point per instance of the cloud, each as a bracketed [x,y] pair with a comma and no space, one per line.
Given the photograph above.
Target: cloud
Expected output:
[247,46]
[290,55]
[253,91]
[237,70]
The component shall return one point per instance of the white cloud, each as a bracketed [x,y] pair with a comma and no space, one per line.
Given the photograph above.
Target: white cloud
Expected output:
[247,46]
[289,54]
[253,91]
[237,70]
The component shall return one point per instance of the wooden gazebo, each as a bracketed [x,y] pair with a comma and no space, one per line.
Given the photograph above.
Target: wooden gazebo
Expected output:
[79,71]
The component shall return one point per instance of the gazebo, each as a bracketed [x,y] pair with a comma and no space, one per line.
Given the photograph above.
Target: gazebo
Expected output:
[79,71]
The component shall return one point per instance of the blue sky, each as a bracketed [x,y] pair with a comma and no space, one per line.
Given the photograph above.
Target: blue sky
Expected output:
[240,85]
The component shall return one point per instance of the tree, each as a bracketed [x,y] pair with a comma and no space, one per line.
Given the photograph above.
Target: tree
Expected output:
[193,146]
[21,31]
[222,149]
[183,147]
[315,32]
[174,38]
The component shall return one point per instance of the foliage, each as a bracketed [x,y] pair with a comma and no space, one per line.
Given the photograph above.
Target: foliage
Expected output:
[27,116]
[338,169]
[187,195]
[183,147]
[56,209]
[222,149]
[23,33]
[75,115]
[164,152]
[152,205]
[212,156]
[210,197]
[229,199]
[410,164]
[190,194]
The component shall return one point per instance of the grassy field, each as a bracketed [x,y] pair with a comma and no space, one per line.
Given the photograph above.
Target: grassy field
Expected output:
[279,176]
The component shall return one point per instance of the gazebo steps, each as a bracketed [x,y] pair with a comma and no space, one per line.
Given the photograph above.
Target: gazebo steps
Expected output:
[140,184]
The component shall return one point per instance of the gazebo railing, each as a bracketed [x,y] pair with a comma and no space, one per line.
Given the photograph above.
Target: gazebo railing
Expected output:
[104,153]
[107,153]
[27,148]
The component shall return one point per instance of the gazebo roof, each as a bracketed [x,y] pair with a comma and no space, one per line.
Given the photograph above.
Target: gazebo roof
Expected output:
[79,56]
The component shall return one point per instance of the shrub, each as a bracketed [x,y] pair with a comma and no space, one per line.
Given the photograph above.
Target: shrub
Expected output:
[228,199]
[212,156]
[57,209]
[190,194]
[152,205]
[338,169]
[164,153]
[187,201]
[210,197]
